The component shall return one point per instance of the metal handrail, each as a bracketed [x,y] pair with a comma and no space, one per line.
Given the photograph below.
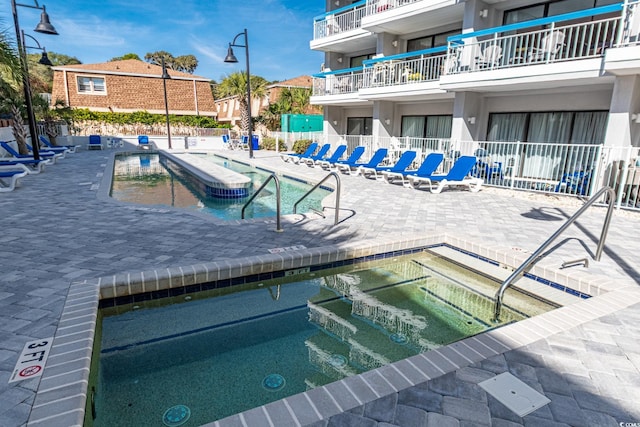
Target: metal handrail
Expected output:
[534,257]
[295,205]
[254,195]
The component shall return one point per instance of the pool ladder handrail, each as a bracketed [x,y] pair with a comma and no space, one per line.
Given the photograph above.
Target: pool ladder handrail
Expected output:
[334,174]
[255,194]
[537,254]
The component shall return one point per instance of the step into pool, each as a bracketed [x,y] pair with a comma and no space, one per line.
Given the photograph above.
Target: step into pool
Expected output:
[201,357]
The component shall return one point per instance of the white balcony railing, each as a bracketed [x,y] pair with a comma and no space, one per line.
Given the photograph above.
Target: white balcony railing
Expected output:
[339,82]
[629,34]
[404,69]
[379,6]
[339,21]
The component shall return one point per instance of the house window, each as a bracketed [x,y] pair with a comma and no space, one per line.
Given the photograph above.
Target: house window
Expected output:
[426,126]
[91,84]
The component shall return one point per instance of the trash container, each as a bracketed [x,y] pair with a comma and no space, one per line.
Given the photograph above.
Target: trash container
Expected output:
[254,142]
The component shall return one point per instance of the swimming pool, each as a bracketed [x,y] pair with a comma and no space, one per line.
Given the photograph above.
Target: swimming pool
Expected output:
[292,333]
[146,179]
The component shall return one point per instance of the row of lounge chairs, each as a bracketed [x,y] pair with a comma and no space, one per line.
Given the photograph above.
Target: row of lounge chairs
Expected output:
[20,165]
[402,171]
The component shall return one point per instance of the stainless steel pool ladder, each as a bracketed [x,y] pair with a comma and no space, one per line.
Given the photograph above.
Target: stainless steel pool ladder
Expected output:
[337,177]
[537,254]
[254,195]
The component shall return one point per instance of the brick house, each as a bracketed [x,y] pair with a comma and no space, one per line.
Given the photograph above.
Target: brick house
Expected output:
[131,85]
[229,108]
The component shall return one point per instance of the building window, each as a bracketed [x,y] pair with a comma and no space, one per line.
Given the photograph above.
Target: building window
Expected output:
[91,84]
[428,42]
[359,126]
[426,126]
[357,61]
[551,8]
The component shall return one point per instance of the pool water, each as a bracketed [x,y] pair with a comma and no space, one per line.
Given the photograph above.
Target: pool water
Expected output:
[224,351]
[142,178]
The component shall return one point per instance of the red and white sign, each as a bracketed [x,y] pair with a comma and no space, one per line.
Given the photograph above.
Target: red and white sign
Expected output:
[32,360]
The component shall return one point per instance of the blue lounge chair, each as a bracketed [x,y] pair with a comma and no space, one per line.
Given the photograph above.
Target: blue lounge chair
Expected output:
[9,178]
[43,152]
[405,160]
[32,166]
[45,155]
[458,175]
[308,152]
[50,146]
[335,156]
[95,142]
[427,168]
[319,155]
[354,168]
[352,159]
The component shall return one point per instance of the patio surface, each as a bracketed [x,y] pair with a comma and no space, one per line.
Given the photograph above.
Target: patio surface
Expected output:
[60,227]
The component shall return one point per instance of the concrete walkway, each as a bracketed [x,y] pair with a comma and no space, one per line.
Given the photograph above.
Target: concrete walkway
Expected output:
[61,227]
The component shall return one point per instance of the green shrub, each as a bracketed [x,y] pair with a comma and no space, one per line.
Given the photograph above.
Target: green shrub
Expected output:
[301,145]
[269,143]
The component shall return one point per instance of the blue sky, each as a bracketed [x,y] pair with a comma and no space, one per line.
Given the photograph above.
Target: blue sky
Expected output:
[96,31]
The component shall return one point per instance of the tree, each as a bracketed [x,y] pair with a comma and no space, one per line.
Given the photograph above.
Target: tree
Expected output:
[125,57]
[184,63]
[235,85]
[10,74]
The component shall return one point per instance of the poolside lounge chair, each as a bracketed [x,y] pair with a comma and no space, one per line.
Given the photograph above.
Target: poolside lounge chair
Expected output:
[9,176]
[335,156]
[308,152]
[43,152]
[45,155]
[32,166]
[319,155]
[405,160]
[458,175]
[353,158]
[50,146]
[95,142]
[354,168]
[427,168]
[143,142]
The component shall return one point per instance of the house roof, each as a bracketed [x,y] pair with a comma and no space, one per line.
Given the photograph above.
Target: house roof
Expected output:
[300,81]
[131,67]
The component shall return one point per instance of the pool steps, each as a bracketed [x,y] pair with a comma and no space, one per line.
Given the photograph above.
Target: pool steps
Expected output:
[500,274]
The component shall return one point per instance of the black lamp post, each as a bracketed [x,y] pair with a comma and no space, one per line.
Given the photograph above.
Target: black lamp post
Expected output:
[232,59]
[44,27]
[165,76]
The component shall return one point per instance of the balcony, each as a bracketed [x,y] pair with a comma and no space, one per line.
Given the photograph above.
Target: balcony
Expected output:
[526,56]
[338,87]
[340,30]
[408,16]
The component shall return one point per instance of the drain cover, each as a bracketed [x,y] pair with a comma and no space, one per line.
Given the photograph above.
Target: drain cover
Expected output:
[176,416]
[398,338]
[337,360]
[514,394]
[273,382]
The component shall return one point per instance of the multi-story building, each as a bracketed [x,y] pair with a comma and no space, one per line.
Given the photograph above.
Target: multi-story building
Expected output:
[544,87]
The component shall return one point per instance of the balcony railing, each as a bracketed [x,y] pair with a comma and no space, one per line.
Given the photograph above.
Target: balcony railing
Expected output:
[339,20]
[408,68]
[379,6]
[512,45]
[339,82]
[630,31]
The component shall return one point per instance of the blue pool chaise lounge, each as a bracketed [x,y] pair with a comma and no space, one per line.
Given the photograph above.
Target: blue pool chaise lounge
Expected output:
[352,159]
[457,176]
[319,155]
[95,142]
[49,146]
[9,176]
[354,168]
[405,160]
[335,156]
[426,169]
[32,166]
[308,152]
[45,154]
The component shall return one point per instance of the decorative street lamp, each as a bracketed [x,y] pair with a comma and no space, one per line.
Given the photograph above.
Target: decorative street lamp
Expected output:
[165,76]
[231,58]
[43,27]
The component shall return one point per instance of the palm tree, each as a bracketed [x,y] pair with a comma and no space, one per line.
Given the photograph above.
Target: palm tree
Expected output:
[235,85]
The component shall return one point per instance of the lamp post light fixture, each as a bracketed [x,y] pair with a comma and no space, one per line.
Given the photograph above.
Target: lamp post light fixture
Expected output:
[165,77]
[44,27]
[231,58]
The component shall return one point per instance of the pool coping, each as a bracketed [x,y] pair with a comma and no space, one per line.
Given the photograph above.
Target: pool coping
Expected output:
[63,390]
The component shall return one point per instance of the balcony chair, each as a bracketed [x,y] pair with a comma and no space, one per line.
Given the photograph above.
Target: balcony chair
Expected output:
[550,46]
[490,57]
[427,168]
[458,175]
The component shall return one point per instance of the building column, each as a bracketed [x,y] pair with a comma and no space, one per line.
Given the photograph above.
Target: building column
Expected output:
[383,112]
[467,116]
[622,129]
